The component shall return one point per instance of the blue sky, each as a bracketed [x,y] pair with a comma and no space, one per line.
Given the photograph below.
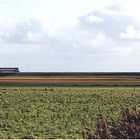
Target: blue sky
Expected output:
[70,35]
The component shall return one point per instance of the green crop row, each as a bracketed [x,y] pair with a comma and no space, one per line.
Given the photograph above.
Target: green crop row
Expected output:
[60,112]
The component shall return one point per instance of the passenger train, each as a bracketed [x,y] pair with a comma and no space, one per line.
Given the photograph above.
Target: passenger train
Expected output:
[9,70]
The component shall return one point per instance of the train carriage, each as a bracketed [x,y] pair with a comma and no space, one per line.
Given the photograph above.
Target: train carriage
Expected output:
[9,70]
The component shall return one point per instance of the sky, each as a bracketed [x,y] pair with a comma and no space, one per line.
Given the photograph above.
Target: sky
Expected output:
[70,35]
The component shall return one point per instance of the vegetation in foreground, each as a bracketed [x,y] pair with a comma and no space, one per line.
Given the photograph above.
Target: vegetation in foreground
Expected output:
[61,112]
[128,127]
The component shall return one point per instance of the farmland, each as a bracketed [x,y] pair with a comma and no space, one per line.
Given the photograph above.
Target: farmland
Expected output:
[71,79]
[60,112]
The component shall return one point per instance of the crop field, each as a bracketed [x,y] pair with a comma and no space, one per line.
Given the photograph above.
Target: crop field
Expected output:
[71,80]
[58,112]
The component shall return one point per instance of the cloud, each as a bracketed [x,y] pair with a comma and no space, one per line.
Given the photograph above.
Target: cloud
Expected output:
[94,42]
[131,33]
[113,21]
[98,32]
[110,22]
[16,30]
[92,19]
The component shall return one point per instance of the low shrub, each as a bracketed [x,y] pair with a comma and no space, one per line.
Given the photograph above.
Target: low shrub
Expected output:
[128,126]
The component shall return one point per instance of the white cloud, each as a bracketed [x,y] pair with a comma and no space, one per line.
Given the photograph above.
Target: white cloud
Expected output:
[34,37]
[114,22]
[98,40]
[130,33]
[89,42]
[16,30]
[94,33]
[47,23]
[93,19]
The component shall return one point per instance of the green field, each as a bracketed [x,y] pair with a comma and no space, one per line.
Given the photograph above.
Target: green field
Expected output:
[60,112]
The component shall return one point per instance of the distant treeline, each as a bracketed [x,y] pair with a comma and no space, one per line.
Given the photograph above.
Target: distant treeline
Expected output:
[72,74]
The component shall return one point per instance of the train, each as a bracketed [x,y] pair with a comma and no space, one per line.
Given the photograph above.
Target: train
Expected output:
[9,70]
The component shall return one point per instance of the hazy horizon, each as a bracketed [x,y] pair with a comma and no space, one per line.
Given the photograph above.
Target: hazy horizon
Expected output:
[70,36]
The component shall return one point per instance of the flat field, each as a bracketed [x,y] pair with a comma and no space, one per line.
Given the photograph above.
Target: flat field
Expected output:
[60,112]
[71,80]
